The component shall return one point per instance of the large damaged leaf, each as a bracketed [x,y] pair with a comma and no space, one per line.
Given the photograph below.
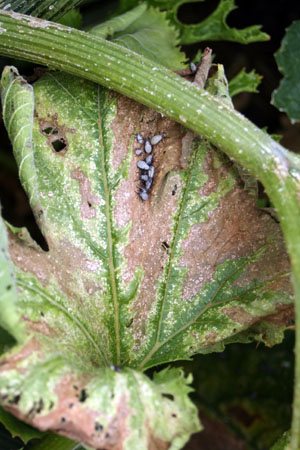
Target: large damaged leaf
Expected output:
[128,282]
[146,32]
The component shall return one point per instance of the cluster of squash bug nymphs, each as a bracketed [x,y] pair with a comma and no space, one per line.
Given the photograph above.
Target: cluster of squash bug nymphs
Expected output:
[146,165]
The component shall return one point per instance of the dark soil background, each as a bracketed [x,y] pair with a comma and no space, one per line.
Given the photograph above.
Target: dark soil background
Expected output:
[245,393]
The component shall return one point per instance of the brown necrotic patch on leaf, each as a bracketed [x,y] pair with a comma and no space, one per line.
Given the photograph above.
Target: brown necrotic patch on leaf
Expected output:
[13,360]
[88,199]
[155,443]
[215,174]
[124,126]
[55,134]
[64,263]
[285,315]
[151,219]
[41,327]
[63,260]
[234,229]
[239,315]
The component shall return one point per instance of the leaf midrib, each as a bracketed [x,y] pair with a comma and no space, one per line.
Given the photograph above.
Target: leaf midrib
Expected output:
[111,267]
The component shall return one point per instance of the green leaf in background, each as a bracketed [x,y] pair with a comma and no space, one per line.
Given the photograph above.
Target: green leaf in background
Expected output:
[126,282]
[213,28]
[286,97]
[244,82]
[72,19]
[17,428]
[147,32]
[216,28]
[46,9]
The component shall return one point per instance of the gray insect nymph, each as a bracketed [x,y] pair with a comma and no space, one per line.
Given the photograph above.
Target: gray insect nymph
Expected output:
[143,194]
[148,146]
[151,172]
[143,165]
[148,184]
[149,159]
[156,139]
[139,138]
[139,151]
[193,67]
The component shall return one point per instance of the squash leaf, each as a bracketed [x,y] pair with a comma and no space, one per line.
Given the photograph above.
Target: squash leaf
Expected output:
[126,284]
[244,82]
[146,32]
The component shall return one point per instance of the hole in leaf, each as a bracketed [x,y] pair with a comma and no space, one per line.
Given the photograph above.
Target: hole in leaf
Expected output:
[58,145]
[169,396]
[98,427]
[83,395]
[165,246]
[40,406]
[15,205]
[50,130]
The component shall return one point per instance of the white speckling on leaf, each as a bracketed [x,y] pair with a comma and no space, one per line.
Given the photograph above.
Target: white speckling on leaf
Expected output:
[92,266]
[183,119]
